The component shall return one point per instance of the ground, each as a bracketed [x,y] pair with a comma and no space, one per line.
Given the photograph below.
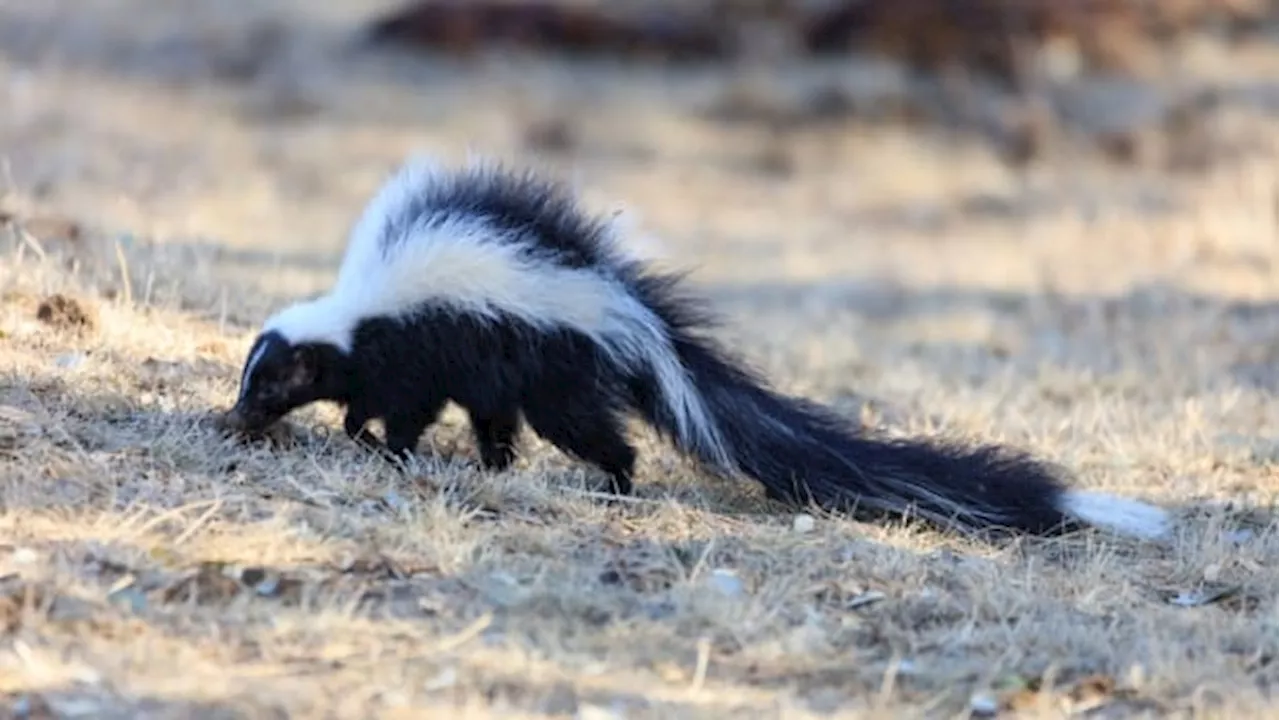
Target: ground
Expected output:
[162,196]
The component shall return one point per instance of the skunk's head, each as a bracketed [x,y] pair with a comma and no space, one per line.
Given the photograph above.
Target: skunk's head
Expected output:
[280,376]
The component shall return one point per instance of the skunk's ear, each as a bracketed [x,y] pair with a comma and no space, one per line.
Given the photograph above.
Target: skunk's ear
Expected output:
[305,367]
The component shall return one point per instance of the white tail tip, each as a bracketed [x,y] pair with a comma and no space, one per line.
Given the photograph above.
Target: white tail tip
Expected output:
[1120,515]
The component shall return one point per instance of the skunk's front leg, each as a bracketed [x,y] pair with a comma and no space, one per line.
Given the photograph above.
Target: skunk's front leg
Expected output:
[354,425]
[406,425]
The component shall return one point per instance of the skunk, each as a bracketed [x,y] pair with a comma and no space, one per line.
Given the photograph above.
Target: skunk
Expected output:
[491,288]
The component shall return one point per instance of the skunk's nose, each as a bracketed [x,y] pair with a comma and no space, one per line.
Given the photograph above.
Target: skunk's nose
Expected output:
[245,418]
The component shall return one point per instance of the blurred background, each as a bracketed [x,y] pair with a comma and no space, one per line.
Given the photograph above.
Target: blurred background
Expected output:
[866,149]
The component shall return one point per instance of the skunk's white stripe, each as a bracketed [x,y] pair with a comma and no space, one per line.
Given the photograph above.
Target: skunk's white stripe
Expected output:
[466,264]
[1121,515]
[382,214]
[254,359]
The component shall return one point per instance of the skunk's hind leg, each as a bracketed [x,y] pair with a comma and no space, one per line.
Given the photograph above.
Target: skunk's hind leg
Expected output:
[495,435]
[590,431]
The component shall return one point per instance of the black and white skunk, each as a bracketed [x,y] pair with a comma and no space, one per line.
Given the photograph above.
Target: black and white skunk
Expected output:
[491,288]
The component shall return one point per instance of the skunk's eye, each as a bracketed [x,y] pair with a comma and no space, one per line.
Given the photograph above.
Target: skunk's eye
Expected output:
[266,382]
[270,392]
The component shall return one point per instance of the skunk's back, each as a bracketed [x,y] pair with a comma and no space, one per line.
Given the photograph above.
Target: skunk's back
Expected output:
[520,204]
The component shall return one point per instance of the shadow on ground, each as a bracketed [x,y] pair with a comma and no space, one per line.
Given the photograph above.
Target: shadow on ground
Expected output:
[70,701]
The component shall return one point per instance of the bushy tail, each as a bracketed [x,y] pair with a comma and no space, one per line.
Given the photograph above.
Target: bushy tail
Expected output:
[802,452]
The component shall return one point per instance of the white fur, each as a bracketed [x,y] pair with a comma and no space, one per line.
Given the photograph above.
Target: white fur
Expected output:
[1121,515]
[365,249]
[254,359]
[467,265]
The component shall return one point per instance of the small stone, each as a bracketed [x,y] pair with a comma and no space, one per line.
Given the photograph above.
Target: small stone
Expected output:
[395,501]
[268,586]
[69,361]
[726,582]
[595,712]
[866,598]
[803,523]
[984,705]
[444,680]
[1212,572]
[129,596]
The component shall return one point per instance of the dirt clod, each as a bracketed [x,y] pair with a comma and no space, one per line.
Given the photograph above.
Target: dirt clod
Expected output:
[65,313]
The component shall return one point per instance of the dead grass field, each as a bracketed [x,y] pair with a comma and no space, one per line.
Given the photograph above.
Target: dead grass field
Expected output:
[1121,322]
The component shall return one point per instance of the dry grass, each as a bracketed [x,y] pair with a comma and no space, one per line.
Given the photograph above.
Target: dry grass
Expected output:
[151,568]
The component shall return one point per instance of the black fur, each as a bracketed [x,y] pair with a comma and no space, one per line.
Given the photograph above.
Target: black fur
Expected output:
[521,202]
[403,371]
[564,387]
[822,458]
[286,376]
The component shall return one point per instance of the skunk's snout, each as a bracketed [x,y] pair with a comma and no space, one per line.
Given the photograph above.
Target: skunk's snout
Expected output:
[245,417]
[231,422]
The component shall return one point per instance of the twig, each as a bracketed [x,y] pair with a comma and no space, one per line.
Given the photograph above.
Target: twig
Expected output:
[124,273]
[700,670]
[615,498]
